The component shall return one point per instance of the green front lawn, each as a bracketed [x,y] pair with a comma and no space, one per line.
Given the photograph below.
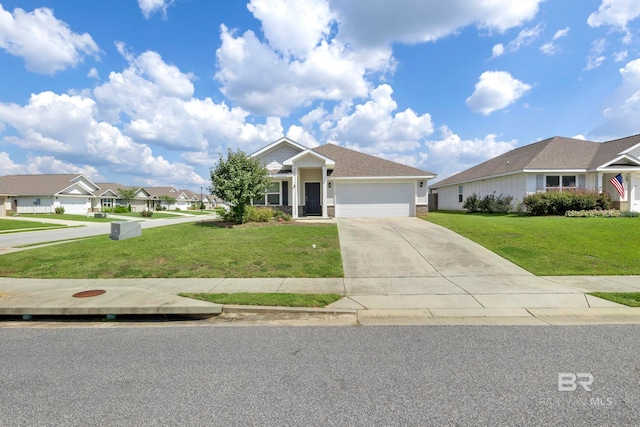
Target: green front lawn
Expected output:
[189,250]
[553,246]
[269,299]
[16,225]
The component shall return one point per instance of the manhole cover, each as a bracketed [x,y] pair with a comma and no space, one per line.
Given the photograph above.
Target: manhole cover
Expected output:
[87,294]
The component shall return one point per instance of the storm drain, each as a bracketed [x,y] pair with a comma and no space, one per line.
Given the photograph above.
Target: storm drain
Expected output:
[87,294]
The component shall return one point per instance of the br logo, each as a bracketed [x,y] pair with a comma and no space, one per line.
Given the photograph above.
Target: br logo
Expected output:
[569,382]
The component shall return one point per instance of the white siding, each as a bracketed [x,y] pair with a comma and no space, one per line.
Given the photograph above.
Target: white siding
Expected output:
[309,161]
[512,185]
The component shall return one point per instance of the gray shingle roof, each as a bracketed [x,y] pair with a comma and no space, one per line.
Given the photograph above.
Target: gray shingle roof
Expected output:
[557,153]
[351,163]
[35,185]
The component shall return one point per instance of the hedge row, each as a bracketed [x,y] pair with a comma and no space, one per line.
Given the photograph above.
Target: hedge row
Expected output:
[559,202]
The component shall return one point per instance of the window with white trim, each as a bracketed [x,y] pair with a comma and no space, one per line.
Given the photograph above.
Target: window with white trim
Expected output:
[560,182]
[460,194]
[272,196]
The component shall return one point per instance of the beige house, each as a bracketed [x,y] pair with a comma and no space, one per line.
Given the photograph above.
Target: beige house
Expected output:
[330,181]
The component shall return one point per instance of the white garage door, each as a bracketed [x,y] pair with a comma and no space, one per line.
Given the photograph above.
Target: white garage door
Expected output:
[74,206]
[374,199]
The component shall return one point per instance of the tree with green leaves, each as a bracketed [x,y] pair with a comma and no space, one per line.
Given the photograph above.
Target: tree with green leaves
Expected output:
[126,195]
[168,200]
[238,179]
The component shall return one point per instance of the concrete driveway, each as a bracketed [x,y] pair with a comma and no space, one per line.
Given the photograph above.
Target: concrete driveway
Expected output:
[411,247]
[409,263]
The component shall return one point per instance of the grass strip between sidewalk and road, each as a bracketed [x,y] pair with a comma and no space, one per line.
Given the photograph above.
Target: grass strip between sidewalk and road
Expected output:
[631,299]
[553,245]
[268,299]
[201,250]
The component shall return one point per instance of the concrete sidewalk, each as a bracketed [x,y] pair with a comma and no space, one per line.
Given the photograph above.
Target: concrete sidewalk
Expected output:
[562,300]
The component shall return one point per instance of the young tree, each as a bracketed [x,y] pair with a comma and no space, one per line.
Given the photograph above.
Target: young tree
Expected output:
[168,200]
[126,195]
[236,180]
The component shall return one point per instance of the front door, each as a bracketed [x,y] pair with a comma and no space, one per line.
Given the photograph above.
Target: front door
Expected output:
[312,198]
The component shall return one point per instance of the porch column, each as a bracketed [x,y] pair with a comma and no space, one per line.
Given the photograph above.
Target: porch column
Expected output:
[324,191]
[599,183]
[294,193]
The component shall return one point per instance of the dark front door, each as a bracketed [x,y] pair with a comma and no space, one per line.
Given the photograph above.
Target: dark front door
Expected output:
[312,198]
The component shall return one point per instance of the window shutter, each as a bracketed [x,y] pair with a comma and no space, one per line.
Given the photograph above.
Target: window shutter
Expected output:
[582,181]
[540,182]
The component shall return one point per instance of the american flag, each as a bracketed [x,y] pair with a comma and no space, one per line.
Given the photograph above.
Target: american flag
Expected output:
[616,181]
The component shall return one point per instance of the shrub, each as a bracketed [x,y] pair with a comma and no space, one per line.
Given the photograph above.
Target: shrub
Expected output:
[121,209]
[177,208]
[202,206]
[472,203]
[258,214]
[146,213]
[279,214]
[489,203]
[594,213]
[559,202]
[107,210]
[60,210]
[129,207]
[630,214]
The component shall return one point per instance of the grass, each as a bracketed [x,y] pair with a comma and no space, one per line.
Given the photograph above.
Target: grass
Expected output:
[8,225]
[632,299]
[270,299]
[553,246]
[203,249]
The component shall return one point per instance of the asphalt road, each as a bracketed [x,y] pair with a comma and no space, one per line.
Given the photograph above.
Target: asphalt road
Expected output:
[319,376]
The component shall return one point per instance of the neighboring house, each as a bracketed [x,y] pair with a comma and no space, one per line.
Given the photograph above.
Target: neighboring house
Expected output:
[553,164]
[333,181]
[109,195]
[177,198]
[44,193]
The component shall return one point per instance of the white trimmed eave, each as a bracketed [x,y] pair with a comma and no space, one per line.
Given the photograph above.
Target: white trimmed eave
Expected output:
[606,166]
[327,161]
[373,178]
[83,176]
[283,140]
[630,149]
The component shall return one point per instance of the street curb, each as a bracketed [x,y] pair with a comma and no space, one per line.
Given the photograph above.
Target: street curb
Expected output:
[235,309]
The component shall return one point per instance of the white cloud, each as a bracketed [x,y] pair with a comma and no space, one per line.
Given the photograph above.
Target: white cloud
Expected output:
[561,33]
[374,24]
[621,117]
[293,27]
[374,128]
[494,91]
[149,7]
[44,42]
[620,56]
[551,48]
[93,73]
[525,38]
[63,127]
[617,14]
[259,80]
[596,57]
[451,154]
[497,50]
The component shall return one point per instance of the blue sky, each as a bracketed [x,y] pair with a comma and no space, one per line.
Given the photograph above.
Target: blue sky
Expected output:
[151,92]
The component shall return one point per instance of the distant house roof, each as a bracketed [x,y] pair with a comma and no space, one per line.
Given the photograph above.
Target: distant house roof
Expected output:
[557,153]
[42,185]
[353,164]
[163,191]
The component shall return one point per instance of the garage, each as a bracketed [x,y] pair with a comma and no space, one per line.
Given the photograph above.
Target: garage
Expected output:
[390,199]
[74,205]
